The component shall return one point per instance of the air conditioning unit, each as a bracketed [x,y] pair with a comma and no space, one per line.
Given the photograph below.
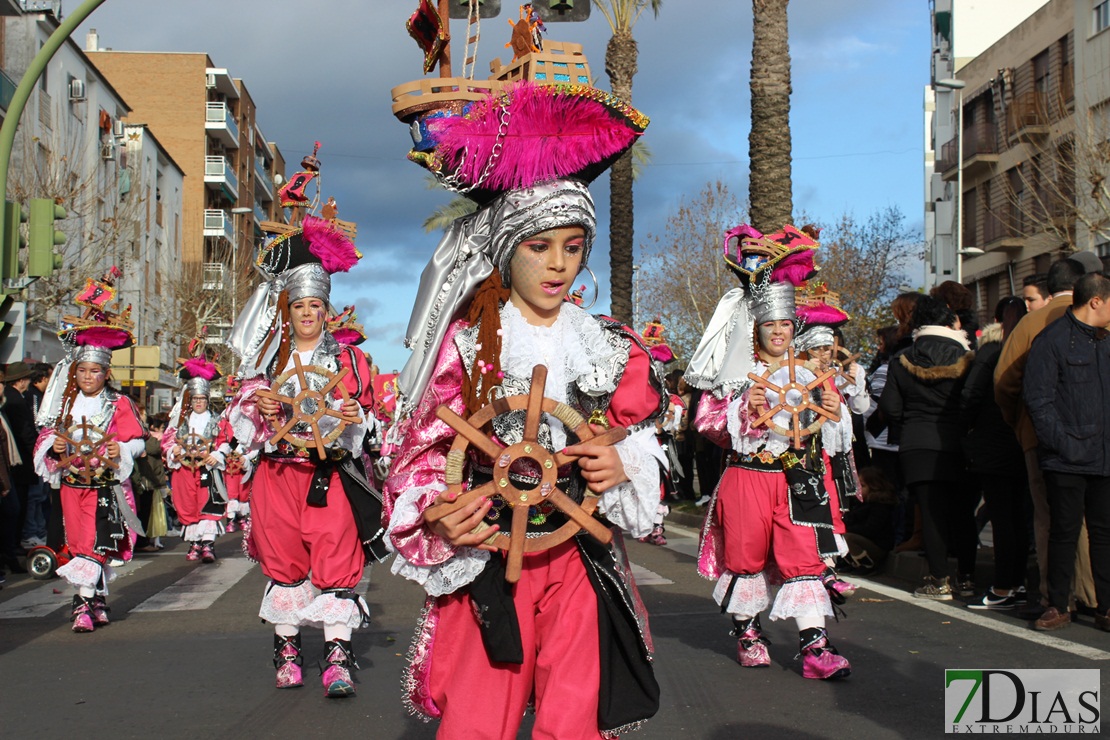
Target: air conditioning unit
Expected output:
[107,151]
[210,81]
[117,129]
[76,90]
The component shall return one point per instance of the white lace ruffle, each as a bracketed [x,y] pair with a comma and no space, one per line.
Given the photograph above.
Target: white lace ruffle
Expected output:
[205,529]
[232,508]
[86,573]
[574,348]
[749,597]
[446,577]
[631,505]
[836,436]
[282,604]
[856,392]
[328,609]
[41,452]
[128,451]
[800,599]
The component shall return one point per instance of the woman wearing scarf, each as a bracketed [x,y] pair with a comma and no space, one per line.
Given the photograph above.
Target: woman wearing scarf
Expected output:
[571,635]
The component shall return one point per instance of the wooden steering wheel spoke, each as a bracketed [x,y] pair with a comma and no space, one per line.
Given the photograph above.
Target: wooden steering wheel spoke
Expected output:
[795,431]
[88,458]
[523,502]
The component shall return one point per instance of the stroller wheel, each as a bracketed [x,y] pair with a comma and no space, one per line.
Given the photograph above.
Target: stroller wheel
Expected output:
[41,563]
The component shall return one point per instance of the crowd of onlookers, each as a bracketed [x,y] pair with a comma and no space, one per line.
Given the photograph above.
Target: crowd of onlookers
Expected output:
[1006,423]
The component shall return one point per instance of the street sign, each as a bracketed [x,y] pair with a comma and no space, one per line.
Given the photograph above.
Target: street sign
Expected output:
[126,375]
[133,383]
[147,355]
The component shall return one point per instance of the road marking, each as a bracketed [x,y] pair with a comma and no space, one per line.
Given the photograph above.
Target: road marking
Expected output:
[199,589]
[39,602]
[645,577]
[1024,633]
[682,539]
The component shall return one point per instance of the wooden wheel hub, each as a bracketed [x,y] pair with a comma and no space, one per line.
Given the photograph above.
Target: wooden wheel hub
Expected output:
[85,451]
[527,452]
[310,406]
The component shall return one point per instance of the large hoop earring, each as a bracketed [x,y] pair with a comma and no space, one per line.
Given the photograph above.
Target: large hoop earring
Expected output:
[596,288]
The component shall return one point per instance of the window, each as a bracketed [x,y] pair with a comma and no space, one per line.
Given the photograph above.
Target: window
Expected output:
[1102,16]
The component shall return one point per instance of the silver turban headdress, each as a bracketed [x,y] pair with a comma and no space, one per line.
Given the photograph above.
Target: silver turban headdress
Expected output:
[814,336]
[469,250]
[773,302]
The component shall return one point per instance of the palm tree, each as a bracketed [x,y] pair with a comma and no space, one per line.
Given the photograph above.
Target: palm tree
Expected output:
[620,64]
[769,139]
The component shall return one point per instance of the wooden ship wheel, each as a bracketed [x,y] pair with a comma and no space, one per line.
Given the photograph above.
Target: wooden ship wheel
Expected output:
[842,359]
[796,432]
[195,449]
[233,464]
[85,456]
[580,516]
[310,406]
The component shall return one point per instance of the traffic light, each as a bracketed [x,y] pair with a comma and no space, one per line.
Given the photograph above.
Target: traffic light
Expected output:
[486,8]
[556,11]
[13,240]
[42,260]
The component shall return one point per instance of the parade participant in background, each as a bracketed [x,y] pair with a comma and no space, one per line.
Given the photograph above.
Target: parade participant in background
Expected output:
[570,636]
[187,447]
[237,469]
[820,316]
[771,508]
[79,406]
[313,519]
[665,428]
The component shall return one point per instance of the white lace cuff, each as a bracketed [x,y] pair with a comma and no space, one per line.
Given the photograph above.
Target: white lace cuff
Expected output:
[631,505]
[128,451]
[87,573]
[749,594]
[447,577]
[443,578]
[328,610]
[52,477]
[804,597]
[283,604]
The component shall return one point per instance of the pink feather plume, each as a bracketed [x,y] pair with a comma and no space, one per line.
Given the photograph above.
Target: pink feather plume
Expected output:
[794,269]
[550,134]
[198,367]
[662,353]
[103,336]
[347,336]
[823,314]
[335,251]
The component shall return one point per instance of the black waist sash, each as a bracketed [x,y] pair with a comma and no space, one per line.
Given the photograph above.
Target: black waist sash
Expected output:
[365,500]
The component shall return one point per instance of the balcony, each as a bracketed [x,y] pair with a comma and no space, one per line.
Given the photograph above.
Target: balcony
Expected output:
[980,151]
[46,110]
[1005,229]
[264,180]
[212,277]
[220,124]
[218,224]
[260,214]
[220,175]
[1027,119]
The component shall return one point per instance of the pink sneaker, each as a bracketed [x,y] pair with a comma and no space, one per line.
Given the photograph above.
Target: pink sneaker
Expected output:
[839,590]
[821,660]
[287,660]
[207,554]
[337,676]
[232,526]
[82,615]
[100,611]
[751,649]
[194,553]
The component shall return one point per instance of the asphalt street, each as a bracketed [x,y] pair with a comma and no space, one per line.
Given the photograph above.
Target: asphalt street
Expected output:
[187,657]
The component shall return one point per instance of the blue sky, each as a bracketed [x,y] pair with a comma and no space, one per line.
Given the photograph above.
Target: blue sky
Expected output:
[324,71]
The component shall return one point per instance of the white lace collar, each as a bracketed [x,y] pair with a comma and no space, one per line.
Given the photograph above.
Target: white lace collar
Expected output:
[573,348]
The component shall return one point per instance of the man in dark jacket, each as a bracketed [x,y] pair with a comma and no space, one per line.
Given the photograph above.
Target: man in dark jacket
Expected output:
[1067,393]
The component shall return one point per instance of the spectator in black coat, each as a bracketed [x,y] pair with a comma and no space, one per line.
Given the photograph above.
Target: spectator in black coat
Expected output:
[921,400]
[995,458]
[1067,392]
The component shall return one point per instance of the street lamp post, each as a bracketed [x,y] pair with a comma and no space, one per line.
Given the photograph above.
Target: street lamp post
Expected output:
[235,247]
[958,86]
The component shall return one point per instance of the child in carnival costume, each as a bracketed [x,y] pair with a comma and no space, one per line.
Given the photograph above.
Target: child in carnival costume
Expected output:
[236,474]
[101,523]
[665,427]
[769,518]
[570,637]
[820,318]
[199,502]
[314,522]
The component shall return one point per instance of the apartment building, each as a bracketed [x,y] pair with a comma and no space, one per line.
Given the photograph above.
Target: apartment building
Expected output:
[122,192]
[1034,124]
[208,123]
